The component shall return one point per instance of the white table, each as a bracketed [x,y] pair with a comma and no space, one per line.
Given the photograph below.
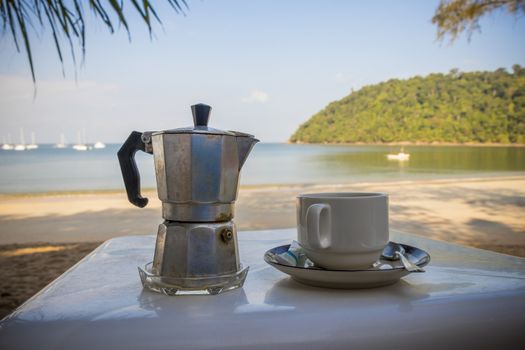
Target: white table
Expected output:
[467,298]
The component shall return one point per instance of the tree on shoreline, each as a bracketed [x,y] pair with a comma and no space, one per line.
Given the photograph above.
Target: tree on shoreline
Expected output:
[457,107]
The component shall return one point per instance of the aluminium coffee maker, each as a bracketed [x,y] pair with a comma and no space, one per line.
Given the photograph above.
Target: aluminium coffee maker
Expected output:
[197,170]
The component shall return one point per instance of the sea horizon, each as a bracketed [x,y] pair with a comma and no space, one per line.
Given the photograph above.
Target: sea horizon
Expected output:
[50,170]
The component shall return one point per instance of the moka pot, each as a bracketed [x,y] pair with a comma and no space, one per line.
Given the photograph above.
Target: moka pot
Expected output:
[197,171]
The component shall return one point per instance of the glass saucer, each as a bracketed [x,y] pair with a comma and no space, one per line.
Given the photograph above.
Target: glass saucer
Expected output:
[206,285]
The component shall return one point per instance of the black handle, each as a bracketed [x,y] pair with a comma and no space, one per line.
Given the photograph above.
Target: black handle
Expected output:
[130,173]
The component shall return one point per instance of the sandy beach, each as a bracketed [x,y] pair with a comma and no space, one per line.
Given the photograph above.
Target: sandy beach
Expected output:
[43,235]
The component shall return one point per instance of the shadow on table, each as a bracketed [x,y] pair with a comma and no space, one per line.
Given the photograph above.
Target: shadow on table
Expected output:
[287,292]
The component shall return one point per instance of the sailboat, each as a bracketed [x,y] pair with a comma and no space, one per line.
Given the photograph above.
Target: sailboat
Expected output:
[7,146]
[80,146]
[401,156]
[99,145]
[32,145]
[22,145]
[62,143]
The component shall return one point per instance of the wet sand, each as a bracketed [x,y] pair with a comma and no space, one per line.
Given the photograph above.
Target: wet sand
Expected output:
[43,235]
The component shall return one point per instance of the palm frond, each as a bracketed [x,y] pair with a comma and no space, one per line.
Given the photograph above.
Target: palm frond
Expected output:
[453,17]
[66,20]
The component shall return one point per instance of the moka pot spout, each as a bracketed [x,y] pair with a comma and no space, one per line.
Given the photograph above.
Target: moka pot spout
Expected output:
[245,143]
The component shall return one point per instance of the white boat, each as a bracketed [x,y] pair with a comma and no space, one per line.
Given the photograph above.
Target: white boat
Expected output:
[22,145]
[99,145]
[80,146]
[401,156]
[62,143]
[33,144]
[7,146]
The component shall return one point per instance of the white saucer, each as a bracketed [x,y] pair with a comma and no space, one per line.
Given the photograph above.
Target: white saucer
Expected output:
[382,273]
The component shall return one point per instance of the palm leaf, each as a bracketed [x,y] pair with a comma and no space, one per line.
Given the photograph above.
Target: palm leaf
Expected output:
[452,17]
[65,18]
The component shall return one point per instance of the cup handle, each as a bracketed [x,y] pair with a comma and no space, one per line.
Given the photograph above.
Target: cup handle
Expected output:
[318,225]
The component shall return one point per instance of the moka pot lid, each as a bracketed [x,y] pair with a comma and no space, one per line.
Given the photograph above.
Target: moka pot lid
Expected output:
[201,115]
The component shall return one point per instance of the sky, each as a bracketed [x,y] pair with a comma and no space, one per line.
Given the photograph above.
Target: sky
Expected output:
[264,66]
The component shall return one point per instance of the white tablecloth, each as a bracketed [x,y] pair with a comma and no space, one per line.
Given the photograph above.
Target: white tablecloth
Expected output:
[467,298]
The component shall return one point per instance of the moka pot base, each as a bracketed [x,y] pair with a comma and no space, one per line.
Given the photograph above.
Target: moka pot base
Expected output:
[194,258]
[191,286]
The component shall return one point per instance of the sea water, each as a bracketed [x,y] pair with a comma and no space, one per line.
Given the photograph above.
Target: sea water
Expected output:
[48,169]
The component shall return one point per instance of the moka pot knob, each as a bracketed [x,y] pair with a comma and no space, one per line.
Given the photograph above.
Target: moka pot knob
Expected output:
[201,114]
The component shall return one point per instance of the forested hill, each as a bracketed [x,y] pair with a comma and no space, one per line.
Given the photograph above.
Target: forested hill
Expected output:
[454,107]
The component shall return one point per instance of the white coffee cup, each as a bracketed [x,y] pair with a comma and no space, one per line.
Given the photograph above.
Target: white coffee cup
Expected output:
[342,231]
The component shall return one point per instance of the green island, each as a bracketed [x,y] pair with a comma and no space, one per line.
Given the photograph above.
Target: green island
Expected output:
[458,107]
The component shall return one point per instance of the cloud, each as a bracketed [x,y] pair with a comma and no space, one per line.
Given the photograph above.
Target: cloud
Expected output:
[340,77]
[60,106]
[14,87]
[343,78]
[471,63]
[257,96]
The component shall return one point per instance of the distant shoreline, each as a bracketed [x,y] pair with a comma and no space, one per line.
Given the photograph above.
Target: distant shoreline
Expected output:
[149,191]
[410,143]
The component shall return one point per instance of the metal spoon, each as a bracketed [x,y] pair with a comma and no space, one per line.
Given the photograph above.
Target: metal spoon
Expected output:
[394,251]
